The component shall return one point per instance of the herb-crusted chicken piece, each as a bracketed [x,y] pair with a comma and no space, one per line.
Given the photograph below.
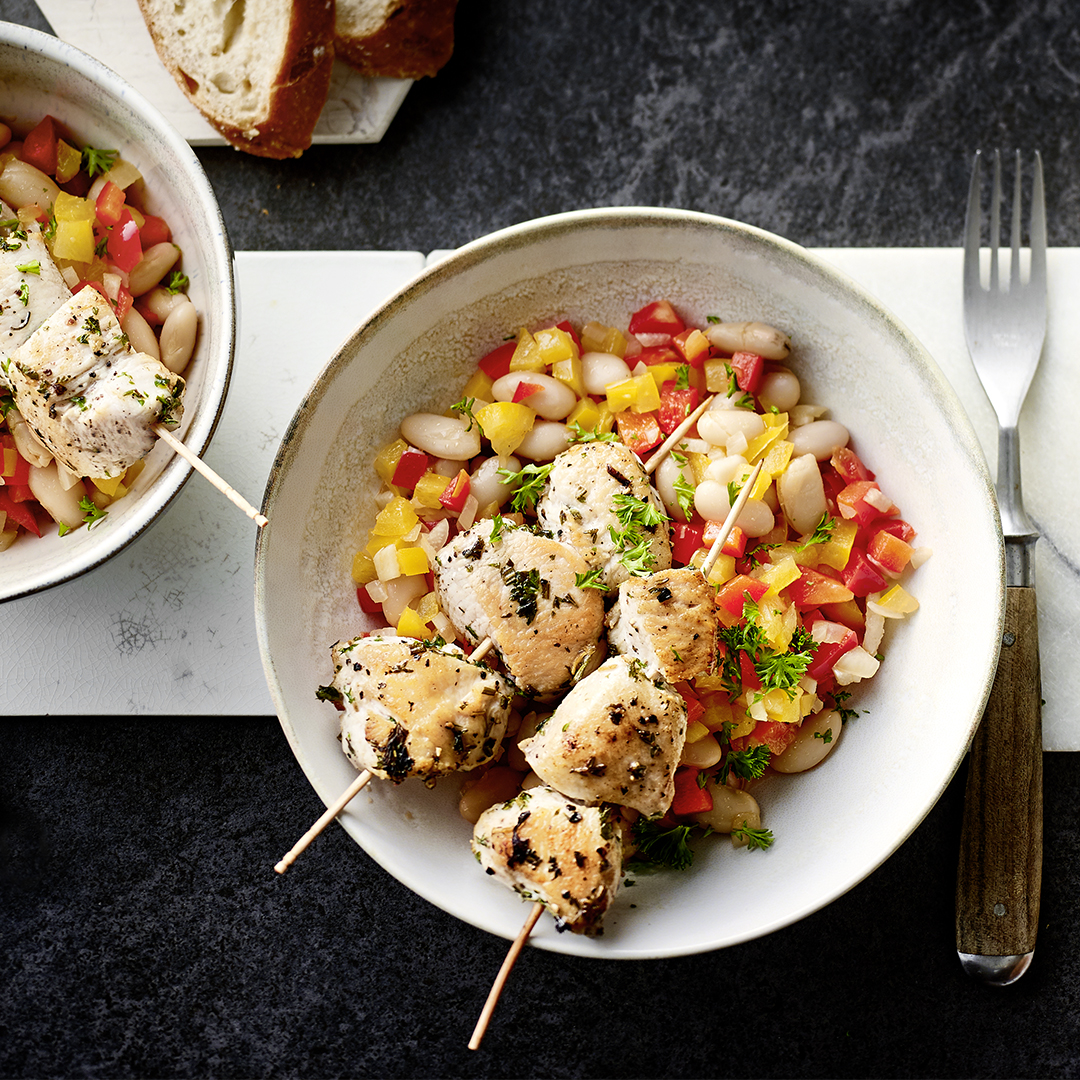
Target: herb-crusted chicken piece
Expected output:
[504,582]
[556,852]
[598,499]
[91,398]
[667,621]
[414,708]
[615,738]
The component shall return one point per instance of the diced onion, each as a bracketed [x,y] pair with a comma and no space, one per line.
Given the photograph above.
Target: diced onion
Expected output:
[875,631]
[854,665]
[386,563]
[377,591]
[799,415]
[467,517]
[878,500]
[919,556]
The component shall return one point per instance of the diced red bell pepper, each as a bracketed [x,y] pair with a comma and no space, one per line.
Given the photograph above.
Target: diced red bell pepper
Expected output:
[750,678]
[155,230]
[849,465]
[734,545]
[889,552]
[19,512]
[78,185]
[411,466]
[773,734]
[686,539]
[853,504]
[640,431]
[898,528]
[731,596]
[828,652]
[497,362]
[861,576]
[659,354]
[40,146]
[749,369]
[812,589]
[568,328]
[367,605]
[109,206]
[123,246]
[689,797]
[14,468]
[659,317]
[694,708]
[456,492]
[525,390]
[676,404]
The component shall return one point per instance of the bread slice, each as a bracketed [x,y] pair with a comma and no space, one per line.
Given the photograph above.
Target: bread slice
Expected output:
[258,70]
[403,39]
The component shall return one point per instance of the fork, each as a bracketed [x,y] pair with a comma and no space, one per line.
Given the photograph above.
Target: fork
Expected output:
[1000,866]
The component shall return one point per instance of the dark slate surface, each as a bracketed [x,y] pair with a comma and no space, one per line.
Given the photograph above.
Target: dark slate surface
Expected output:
[142,931]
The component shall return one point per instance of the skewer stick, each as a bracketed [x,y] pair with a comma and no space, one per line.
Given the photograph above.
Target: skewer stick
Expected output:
[729,522]
[332,812]
[504,974]
[354,789]
[665,447]
[200,466]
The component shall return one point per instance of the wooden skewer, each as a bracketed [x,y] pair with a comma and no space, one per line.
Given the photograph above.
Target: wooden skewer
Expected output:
[201,467]
[354,789]
[664,448]
[504,974]
[729,521]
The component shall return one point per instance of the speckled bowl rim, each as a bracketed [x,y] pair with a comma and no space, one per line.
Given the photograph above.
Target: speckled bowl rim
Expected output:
[198,428]
[520,237]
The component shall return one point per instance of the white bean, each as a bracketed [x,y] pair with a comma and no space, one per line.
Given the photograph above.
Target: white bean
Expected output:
[177,340]
[600,370]
[822,438]
[703,753]
[779,387]
[718,425]
[23,185]
[140,335]
[817,737]
[161,302]
[711,500]
[667,475]
[757,519]
[753,337]
[60,502]
[725,469]
[156,262]
[486,483]
[732,807]
[553,401]
[442,436]
[545,439]
[26,440]
[802,493]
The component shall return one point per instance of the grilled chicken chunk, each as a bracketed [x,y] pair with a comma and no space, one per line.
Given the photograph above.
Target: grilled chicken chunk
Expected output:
[552,850]
[31,287]
[616,737]
[415,709]
[598,499]
[520,590]
[90,398]
[667,621]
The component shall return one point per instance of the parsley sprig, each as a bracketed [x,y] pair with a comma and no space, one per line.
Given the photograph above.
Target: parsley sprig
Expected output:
[658,847]
[634,545]
[529,483]
[98,161]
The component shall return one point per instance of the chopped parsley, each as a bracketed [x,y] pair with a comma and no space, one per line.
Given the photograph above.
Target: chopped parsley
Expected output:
[634,546]
[684,490]
[32,267]
[92,513]
[24,294]
[776,670]
[177,282]
[748,764]
[98,161]
[578,434]
[761,839]
[464,408]
[658,847]
[822,533]
[591,579]
[530,483]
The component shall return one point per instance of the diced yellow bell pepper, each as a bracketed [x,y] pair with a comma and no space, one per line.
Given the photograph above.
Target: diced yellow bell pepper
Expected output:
[396,518]
[555,345]
[568,371]
[505,424]
[479,386]
[413,561]
[837,550]
[607,418]
[662,373]
[759,446]
[68,161]
[72,208]
[585,414]
[595,337]
[696,731]
[527,355]
[776,419]
[411,625]
[742,723]
[427,607]
[775,462]
[363,568]
[778,624]
[717,711]
[638,394]
[108,484]
[722,570]
[897,602]
[779,574]
[717,375]
[428,489]
[387,458]
[74,241]
[9,456]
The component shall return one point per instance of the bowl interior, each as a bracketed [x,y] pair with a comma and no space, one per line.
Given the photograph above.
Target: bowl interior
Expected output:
[39,75]
[834,824]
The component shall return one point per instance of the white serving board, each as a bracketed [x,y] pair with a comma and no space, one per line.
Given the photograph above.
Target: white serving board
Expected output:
[168,627]
[357,110]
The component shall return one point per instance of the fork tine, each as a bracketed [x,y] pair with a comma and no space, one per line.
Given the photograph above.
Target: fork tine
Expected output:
[1037,228]
[1014,262]
[973,229]
[995,223]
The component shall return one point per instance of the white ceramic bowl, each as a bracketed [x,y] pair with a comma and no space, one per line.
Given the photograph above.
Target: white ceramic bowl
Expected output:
[833,825]
[40,74]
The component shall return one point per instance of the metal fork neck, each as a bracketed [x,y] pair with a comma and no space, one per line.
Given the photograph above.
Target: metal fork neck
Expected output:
[1019,532]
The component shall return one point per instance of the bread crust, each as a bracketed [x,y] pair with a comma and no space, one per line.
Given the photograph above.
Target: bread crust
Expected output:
[298,90]
[415,39]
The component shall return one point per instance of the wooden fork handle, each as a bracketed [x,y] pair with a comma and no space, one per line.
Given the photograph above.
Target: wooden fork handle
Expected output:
[1000,871]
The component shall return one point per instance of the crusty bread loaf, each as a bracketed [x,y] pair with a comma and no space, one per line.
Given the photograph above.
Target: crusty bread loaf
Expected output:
[258,70]
[404,39]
